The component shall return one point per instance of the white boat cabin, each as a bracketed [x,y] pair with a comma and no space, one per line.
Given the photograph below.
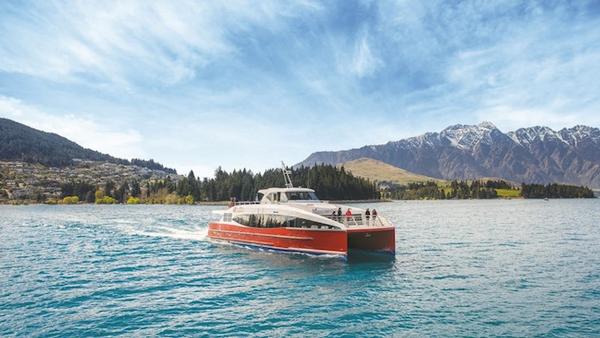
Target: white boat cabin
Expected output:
[284,195]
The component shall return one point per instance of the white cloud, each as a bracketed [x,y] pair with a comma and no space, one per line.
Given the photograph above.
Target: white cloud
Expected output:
[542,72]
[510,118]
[364,62]
[129,42]
[256,82]
[85,131]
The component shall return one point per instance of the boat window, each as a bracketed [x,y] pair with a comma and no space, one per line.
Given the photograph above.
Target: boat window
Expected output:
[278,221]
[301,196]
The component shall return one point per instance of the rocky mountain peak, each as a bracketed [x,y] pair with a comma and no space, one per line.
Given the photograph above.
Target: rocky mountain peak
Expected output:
[468,136]
[487,125]
[527,136]
[574,136]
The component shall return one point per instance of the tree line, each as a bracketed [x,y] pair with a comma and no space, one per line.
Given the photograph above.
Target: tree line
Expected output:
[108,193]
[455,190]
[555,191]
[487,189]
[329,182]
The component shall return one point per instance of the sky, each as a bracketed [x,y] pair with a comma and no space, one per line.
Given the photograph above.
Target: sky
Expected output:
[201,84]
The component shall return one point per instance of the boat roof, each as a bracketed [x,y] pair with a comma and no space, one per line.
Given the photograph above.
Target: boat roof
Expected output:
[271,190]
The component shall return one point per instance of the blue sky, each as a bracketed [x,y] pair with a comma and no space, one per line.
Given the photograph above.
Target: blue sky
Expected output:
[197,84]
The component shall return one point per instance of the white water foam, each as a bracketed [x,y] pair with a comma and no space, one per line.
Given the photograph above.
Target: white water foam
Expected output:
[199,234]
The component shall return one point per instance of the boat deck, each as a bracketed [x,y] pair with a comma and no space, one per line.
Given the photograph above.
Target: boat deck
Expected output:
[355,221]
[360,221]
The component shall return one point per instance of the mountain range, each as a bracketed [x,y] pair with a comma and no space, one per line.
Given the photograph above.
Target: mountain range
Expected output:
[532,155]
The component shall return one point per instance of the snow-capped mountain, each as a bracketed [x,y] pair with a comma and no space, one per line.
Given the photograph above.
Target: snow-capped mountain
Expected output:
[535,154]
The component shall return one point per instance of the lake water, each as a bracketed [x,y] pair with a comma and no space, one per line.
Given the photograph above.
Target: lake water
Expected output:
[476,268]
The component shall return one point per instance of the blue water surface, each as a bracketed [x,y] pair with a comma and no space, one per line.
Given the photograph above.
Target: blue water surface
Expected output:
[462,268]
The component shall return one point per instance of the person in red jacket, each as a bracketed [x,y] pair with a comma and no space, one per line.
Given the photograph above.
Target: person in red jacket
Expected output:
[348,215]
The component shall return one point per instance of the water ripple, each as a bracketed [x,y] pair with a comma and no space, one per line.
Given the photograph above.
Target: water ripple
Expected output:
[463,268]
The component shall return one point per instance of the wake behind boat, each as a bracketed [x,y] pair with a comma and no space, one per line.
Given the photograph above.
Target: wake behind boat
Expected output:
[293,219]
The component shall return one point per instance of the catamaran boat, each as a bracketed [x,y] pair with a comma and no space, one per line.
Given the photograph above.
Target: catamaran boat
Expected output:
[293,219]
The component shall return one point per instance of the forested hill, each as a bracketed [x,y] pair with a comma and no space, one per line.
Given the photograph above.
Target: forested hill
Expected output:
[19,142]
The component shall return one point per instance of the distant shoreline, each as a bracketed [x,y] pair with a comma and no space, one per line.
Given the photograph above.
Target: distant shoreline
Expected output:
[215,203]
[225,203]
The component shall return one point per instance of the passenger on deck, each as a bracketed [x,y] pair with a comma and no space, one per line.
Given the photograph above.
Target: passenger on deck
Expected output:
[367,215]
[339,215]
[374,214]
[348,215]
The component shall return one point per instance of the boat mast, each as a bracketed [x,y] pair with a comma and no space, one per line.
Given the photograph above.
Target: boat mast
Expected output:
[286,176]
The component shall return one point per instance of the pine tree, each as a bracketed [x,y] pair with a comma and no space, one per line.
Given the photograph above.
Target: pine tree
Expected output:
[109,186]
[135,189]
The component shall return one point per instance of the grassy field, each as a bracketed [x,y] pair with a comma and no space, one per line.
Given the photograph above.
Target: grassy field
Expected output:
[380,171]
[508,193]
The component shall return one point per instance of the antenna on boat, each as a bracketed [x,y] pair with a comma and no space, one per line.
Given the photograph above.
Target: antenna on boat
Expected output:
[287,176]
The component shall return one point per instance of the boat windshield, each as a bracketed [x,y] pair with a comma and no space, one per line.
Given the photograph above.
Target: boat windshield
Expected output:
[301,196]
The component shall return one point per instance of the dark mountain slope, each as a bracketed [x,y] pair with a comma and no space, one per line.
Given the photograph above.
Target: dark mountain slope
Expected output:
[19,142]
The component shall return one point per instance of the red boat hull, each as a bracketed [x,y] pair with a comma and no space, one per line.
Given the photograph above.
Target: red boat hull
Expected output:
[373,239]
[314,241]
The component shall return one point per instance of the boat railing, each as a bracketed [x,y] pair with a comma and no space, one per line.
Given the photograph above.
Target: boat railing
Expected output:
[359,220]
[245,202]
